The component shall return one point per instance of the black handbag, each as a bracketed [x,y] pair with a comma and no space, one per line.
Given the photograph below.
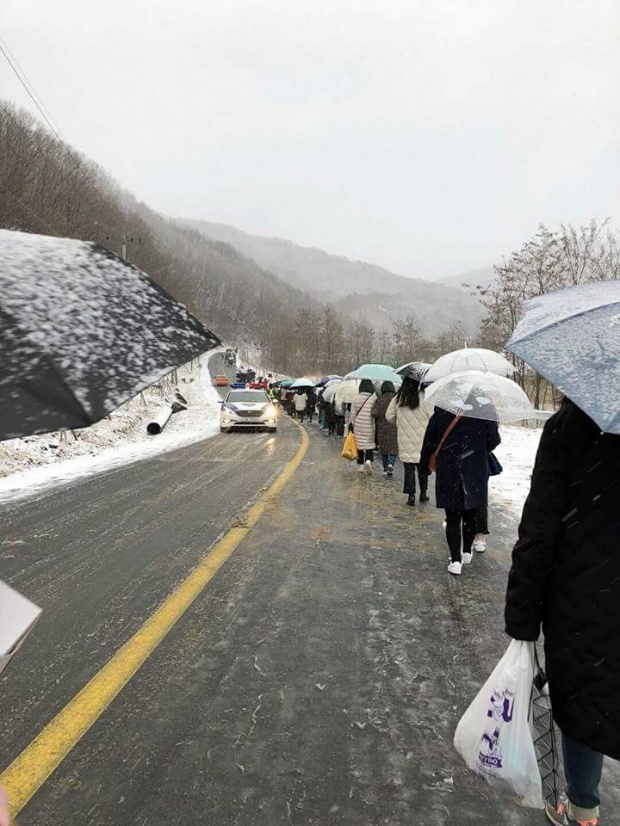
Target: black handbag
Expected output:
[495,466]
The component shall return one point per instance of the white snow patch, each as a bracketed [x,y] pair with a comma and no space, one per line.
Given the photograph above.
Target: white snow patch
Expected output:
[32,465]
[517,453]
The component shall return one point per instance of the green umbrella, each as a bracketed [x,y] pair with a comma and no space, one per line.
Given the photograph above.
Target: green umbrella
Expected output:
[376,372]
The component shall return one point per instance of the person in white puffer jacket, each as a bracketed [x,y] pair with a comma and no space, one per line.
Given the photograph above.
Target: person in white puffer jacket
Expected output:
[363,425]
[411,414]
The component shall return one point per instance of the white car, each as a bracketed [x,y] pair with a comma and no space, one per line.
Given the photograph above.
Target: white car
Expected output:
[248,408]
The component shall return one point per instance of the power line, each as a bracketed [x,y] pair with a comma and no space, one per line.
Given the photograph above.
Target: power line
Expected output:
[21,76]
[30,84]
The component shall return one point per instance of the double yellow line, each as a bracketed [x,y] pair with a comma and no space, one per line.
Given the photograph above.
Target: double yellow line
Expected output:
[35,764]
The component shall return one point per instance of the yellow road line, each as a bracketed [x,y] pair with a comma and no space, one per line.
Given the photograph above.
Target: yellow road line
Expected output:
[35,764]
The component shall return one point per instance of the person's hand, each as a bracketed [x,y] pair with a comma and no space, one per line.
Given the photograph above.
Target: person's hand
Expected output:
[5,818]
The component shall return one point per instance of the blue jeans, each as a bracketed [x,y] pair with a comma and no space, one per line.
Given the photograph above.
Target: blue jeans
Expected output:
[582,768]
[388,459]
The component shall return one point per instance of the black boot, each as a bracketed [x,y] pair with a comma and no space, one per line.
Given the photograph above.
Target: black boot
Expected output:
[424,497]
[411,499]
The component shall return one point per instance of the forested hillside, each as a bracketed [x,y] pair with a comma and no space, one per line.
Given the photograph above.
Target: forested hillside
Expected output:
[357,288]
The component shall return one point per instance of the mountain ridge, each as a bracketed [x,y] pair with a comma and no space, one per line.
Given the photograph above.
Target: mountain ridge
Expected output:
[354,287]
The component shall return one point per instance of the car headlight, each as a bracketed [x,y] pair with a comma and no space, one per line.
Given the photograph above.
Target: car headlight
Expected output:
[226,420]
[270,410]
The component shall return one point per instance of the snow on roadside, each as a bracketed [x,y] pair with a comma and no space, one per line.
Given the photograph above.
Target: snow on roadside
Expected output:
[29,466]
[516,453]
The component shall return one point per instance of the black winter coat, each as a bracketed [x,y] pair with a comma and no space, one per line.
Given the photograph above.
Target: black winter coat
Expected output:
[387,436]
[566,575]
[462,463]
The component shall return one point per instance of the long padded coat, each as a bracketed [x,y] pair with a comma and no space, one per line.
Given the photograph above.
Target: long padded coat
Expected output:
[462,481]
[386,430]
[362,420]
[411,426]
[566,575]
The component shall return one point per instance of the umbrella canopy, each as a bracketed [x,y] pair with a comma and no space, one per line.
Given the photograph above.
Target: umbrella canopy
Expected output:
[326,380]
[572,338]
[302,384]
[414,370]
[81,332]
[346,391]
[375,372]
[286,382]
[474,358]
[481,395]
[330,391]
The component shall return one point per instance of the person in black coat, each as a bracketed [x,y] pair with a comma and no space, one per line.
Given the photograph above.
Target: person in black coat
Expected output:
[565,576]
[462,468]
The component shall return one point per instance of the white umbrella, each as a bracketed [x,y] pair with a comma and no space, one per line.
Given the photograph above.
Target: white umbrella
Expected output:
[300,384]
[474,358]
[479,395]
[346,391]
[329,391]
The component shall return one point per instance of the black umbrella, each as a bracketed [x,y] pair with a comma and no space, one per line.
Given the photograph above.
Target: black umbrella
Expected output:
[81,332]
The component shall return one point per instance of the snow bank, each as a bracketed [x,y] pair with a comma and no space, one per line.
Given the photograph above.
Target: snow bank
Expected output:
[516,453]
[30,466]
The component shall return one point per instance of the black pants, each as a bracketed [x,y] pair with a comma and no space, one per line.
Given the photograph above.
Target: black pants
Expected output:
[365,455]
[460,526]
[339,425]
[482,519]
[409,486]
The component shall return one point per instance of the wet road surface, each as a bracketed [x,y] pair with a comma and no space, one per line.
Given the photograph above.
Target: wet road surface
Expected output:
[317,680]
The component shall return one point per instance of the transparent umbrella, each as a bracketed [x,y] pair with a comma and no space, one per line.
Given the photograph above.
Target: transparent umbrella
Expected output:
[572,338]
[481,395]
[469,358]
[330,390]
[346,391]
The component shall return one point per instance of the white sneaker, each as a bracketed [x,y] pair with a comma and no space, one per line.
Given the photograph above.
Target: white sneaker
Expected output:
[466,559]
[368,466]
[455,568]
[479,546]
[360,468]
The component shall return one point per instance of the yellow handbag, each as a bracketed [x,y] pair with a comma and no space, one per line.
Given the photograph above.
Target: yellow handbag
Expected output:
[349,448]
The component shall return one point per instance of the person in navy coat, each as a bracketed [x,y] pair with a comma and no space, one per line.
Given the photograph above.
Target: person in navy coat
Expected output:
[462,468]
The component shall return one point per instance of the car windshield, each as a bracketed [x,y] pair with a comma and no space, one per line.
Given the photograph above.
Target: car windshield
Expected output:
[256,396]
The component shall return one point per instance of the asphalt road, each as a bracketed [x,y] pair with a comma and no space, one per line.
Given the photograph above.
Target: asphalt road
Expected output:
[317,680]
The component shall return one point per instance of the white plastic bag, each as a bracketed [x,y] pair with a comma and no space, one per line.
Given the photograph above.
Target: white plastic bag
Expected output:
[494,735]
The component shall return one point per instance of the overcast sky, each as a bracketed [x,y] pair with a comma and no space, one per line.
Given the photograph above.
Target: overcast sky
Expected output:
[429,136]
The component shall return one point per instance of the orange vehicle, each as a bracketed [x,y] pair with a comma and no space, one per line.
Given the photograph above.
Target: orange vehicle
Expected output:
[221,381]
